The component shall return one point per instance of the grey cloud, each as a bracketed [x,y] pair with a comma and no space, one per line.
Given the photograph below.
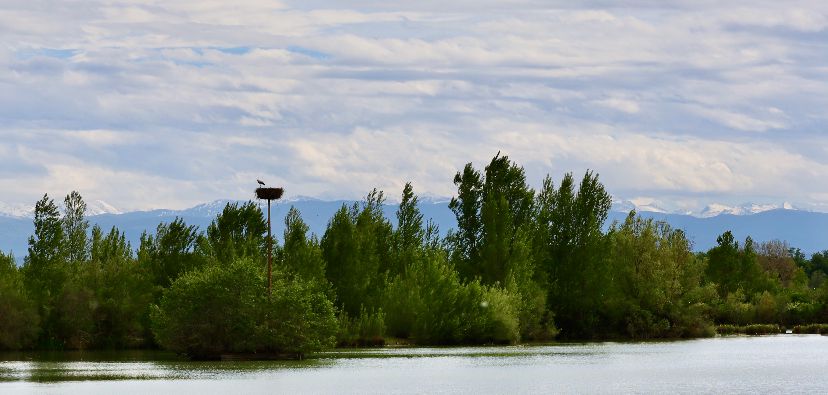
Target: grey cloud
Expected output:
[706,100]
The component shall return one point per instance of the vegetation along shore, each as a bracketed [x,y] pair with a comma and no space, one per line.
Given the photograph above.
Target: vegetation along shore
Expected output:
[522,265]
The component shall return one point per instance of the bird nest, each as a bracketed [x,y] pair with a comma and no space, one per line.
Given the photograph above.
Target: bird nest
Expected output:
[269,193]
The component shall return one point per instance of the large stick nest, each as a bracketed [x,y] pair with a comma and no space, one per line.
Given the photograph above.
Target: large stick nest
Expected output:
[269,193]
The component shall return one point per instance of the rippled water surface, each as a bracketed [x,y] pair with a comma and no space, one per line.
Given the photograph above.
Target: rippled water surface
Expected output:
[777,364]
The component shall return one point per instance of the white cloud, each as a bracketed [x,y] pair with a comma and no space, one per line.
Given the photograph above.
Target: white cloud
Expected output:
[335,98]
[623,105]
[740,121]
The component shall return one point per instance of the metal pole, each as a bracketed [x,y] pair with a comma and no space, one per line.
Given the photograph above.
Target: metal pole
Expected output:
[269,252]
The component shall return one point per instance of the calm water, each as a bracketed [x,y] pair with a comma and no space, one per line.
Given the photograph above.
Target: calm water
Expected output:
[777,364]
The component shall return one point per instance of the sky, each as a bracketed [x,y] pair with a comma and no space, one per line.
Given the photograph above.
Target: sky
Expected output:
[166,104]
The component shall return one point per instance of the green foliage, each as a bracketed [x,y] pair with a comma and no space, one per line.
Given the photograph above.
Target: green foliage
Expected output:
[466,207]
[658,281]
[221,309]
[734,268]
[518,264]
[410,236]
[19,321]
[298,318]
[570,249]
[45,246]
[237,232]
[820,329]
[491,210]
[75,227]
[357,250]
[766,308]
[430,305]
[109,248]
[122,292]
[170,252]
[752,329]
[496,215]
[536,321]
[366,329]
[45,270]
[104,301]
[302,255]
[210,311]
[735,309]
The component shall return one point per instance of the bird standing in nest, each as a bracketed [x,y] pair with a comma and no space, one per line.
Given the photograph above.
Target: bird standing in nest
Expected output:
[260,182]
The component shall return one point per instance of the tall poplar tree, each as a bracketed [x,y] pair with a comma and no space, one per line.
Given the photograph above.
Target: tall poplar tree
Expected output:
[75,227]
[571,248]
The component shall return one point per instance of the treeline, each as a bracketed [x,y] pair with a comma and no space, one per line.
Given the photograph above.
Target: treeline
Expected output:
[522,265]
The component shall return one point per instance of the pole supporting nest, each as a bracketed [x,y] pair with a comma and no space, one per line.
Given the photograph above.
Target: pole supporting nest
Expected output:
[269,194]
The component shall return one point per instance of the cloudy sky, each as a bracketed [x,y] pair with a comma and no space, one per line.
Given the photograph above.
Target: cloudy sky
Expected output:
[165,104]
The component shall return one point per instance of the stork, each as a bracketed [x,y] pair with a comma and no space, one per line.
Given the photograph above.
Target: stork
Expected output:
[260,182]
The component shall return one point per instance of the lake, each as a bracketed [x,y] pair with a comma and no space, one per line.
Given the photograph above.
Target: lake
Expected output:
[760,364]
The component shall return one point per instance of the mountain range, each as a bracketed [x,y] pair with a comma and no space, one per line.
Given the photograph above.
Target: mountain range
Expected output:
[806,230]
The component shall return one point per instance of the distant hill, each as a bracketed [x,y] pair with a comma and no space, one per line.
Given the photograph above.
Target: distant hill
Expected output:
[802,229]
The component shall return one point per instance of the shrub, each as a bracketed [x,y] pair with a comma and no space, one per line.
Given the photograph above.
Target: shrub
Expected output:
[762,329]
[218,309]
[367,329]
[821,329]
[753,329]
[734,309]
[19,321]
[430,304]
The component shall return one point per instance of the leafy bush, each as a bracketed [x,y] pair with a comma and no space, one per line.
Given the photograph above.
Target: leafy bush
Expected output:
[821,329]
[367,329]
[753,329]
[734,309]
[226,309]
[19,321]
[430,305]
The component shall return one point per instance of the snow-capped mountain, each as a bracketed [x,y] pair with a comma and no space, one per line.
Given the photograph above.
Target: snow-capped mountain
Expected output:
[433,199]
[639,205]
[16,211]
[644,205]
[93,207]
[715,209]
[98,207]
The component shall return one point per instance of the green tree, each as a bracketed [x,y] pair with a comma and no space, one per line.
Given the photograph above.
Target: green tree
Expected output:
[466,206]
[570,248]
[431,305]
[75,228]
[122,292]
[170,252]
[112,247]
[491,210]
[237,232]
[302,255]
[44,268]
[496,215]
[225,309]
[657,282]
[19,321]
[45,246]
[356,248]
[410,235]
[733,268]
[775,259]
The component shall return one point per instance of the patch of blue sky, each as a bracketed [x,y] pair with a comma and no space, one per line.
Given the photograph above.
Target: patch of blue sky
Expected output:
[309,52]
[28,53]
[234,50]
